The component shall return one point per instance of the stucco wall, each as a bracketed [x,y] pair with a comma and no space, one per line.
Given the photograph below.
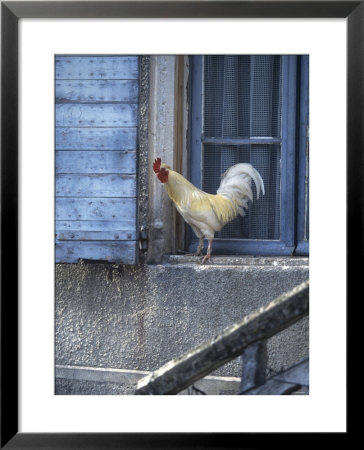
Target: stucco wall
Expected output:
[138,318]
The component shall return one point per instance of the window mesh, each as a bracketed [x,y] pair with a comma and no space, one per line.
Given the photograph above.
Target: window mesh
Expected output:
[242,99]
[262,220]
[242,96]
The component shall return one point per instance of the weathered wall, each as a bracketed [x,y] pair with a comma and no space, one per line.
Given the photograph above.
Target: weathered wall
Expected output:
[138,318]
[161,145]
[167,139]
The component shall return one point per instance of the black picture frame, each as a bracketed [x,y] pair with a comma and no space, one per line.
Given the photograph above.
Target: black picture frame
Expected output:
[11,12]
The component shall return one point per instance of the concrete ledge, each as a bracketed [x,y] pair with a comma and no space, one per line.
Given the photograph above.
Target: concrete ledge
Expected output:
[101,381]
[218,260]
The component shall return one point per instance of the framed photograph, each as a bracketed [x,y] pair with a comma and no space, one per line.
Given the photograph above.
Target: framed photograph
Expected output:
[95,118]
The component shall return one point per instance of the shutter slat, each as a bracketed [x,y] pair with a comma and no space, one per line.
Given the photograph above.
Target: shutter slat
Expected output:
[113,209]
[125,224]
[96,138]
[117,235]
[95,115]
[95,185]
[71,252]
[96,67]
[93,91]
[95,162]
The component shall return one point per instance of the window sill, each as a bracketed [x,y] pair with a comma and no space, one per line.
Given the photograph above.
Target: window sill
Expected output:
[234,260]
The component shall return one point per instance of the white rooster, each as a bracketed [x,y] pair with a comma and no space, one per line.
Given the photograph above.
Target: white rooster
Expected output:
[208,213]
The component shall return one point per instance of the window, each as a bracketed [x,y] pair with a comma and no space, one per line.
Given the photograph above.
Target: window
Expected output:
[96,141]
[254,109]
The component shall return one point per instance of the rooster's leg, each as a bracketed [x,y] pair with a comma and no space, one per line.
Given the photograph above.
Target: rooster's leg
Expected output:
[208,254]
[199,248]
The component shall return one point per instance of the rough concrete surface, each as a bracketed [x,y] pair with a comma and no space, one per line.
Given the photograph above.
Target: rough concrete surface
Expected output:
[130,317]
[81,387]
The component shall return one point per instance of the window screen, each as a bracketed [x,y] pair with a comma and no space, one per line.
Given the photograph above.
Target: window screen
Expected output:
[242,123]
[262,219]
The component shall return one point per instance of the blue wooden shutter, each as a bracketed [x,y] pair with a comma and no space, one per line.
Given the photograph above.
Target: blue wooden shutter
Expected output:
[96,141]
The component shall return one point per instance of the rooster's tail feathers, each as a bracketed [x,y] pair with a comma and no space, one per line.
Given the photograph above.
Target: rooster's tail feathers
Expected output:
[236,185]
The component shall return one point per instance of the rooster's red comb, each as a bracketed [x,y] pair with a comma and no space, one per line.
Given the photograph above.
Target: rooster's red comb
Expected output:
[157,165]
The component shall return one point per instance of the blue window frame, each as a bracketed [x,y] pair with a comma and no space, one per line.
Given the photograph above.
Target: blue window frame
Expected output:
[303,163]
[254,108]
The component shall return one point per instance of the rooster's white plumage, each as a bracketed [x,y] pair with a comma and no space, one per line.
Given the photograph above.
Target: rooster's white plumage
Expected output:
[208,213]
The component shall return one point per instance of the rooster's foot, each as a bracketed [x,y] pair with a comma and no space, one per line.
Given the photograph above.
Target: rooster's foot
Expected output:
[206,258]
